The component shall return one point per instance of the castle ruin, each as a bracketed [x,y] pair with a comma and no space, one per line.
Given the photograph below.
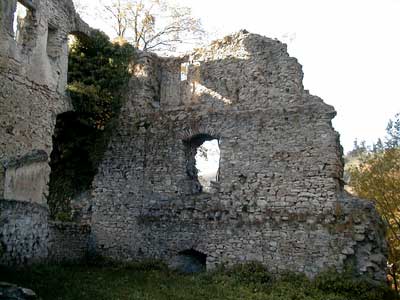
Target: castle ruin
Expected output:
[279,196]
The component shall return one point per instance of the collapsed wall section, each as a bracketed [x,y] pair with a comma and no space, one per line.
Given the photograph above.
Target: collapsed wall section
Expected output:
[278,199]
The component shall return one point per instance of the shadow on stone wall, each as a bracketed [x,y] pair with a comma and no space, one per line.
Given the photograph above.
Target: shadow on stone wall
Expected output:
[77,150]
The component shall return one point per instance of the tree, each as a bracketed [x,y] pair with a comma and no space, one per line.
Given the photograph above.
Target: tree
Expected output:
[119,13]
[393,131]
[154,25]
[377,177]
[358,149]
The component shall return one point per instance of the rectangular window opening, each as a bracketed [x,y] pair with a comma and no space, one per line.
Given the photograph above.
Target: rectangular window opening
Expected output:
[184,71]
[19,19]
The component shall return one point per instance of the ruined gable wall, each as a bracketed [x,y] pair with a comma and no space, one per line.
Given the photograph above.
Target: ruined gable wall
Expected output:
[279,198]
[33,76]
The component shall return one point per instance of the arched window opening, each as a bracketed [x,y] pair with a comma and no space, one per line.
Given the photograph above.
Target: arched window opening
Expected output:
[207,163]
[203,156]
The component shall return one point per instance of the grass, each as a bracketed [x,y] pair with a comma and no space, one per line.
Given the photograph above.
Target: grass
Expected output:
[154,282]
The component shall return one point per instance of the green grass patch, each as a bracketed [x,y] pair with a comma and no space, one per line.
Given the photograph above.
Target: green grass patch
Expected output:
[154,281]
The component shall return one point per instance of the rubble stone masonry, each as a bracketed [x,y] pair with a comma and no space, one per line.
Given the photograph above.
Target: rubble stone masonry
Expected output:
[278,200]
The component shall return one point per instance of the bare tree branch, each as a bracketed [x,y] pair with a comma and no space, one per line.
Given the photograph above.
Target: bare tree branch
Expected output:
[153,24]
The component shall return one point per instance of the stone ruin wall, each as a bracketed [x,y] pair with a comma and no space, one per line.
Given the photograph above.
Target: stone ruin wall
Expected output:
[33,77]
[278,199]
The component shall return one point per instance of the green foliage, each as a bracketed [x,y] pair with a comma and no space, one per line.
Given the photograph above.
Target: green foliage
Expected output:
[63,216]
[153,281]
[142,265]
[96,107]
[147,265]
[97,71]
[98,74]
[358,149]
[346,284]
[374,173]
[249,273]
[376,176]
[393,132]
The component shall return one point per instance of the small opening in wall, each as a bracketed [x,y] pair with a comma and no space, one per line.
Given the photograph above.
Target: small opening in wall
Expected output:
[72,39]
[191,261]
[203,156]
[19,19]
[207,163]
[184,71]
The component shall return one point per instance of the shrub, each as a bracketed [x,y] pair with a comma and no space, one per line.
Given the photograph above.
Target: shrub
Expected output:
[147,265]
[246,273]
[351,286]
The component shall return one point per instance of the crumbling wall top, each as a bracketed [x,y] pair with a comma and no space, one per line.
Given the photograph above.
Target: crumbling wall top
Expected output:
[35,46]
[243,71]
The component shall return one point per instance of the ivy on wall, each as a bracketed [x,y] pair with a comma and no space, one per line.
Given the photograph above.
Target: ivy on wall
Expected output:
[97,72]
[97,77]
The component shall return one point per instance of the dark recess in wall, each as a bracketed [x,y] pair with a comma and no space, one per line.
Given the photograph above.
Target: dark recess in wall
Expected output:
[77,150]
